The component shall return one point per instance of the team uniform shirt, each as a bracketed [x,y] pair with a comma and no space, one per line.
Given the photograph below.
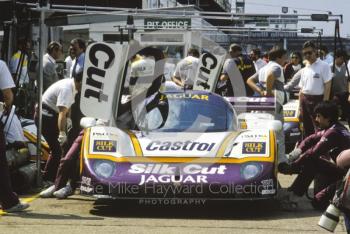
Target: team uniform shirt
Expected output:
[277,71]
[258,64]
[186,69]
[61,93]
[314,76]
[336,138]
[14,62]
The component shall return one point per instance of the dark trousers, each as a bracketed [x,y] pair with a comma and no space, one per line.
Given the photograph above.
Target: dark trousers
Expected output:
[310,168]
[50,132]
[308,103]
[7,197]
[68,165]
[342,100]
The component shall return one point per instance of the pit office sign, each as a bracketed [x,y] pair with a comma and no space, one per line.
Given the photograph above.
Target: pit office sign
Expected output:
[174,23]
[103,69]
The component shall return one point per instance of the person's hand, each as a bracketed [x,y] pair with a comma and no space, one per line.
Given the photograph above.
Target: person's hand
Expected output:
[62,137]
[294,155]
[69,124]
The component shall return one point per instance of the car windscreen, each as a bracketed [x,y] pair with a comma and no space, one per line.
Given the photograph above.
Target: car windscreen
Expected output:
[189,115]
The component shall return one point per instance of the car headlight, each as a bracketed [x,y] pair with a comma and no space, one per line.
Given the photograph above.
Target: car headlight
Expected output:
[104,168]
[250,170]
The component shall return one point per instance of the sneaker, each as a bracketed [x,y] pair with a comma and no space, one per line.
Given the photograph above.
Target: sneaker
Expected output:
[63,192]
[47,192]
[17,208]
[47,184]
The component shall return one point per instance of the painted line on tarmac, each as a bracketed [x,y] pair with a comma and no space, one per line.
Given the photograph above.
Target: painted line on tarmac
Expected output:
[27,200]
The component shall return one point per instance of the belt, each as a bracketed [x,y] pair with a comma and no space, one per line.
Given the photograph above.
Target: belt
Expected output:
[48,109]
[309,95]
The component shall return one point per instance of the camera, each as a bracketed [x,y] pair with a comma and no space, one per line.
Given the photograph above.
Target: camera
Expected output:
[330,218]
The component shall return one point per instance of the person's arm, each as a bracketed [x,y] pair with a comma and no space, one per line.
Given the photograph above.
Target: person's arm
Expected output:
[327,90]
[178,81]
[328,141]
[251,82]
[8,99]
[293,82]
[269,84]
[62,118]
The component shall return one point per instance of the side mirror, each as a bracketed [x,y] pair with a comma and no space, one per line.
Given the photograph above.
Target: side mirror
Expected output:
[275,125]
[87,122]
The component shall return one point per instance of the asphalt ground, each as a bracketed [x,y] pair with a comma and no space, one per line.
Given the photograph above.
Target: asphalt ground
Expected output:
[79,214]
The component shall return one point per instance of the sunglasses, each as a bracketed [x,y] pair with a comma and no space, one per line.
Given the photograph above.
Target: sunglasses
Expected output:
[308,53]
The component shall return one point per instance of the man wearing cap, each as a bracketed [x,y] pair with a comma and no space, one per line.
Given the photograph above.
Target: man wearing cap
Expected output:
[228,81]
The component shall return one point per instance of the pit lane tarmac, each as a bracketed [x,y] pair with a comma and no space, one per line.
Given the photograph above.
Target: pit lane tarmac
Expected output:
[80,214]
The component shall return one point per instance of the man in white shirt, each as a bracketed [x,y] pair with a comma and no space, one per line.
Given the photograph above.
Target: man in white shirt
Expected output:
[255,56]
[315,86]
[186,69]
[69,62]
[325,55]
[56,103]
[8,199]
[50,76]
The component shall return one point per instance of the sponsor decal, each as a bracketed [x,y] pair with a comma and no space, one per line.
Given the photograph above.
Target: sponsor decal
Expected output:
[289,113]
[188,95]
[242,124]
[179,145]
[105,146]
[253,136]
[254,148]
[165,173]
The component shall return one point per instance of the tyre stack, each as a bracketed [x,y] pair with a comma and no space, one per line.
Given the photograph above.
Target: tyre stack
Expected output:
[22,170]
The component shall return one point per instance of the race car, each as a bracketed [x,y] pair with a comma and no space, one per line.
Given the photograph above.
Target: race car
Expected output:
[292,126]
[194,150]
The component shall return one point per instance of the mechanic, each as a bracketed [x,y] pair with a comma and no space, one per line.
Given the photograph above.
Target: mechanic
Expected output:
[315,86]
[316,154]
[186,69]
[245,67]
[272,80]
[8,199]
[255,56]
[54,52]
[340,85]
[56,102]
[148,95]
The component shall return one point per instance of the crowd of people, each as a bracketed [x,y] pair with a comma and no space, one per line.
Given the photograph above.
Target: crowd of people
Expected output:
[320,79]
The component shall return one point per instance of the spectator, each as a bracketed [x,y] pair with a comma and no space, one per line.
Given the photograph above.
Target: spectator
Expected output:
[271,79]
[315,85]
[244,65]
[56,102]
[78,48]
[69,62]
[294,66]
[8,199]
[255,56]
[50,76]
[313,156]
[340,87]
[325,55]
[186,69]
[19,63]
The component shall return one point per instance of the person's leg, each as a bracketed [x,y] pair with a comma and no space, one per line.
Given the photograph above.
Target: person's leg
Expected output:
[302,182]
[67,165]
[50,132]
[8,198]
[280,135]
[306,117]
